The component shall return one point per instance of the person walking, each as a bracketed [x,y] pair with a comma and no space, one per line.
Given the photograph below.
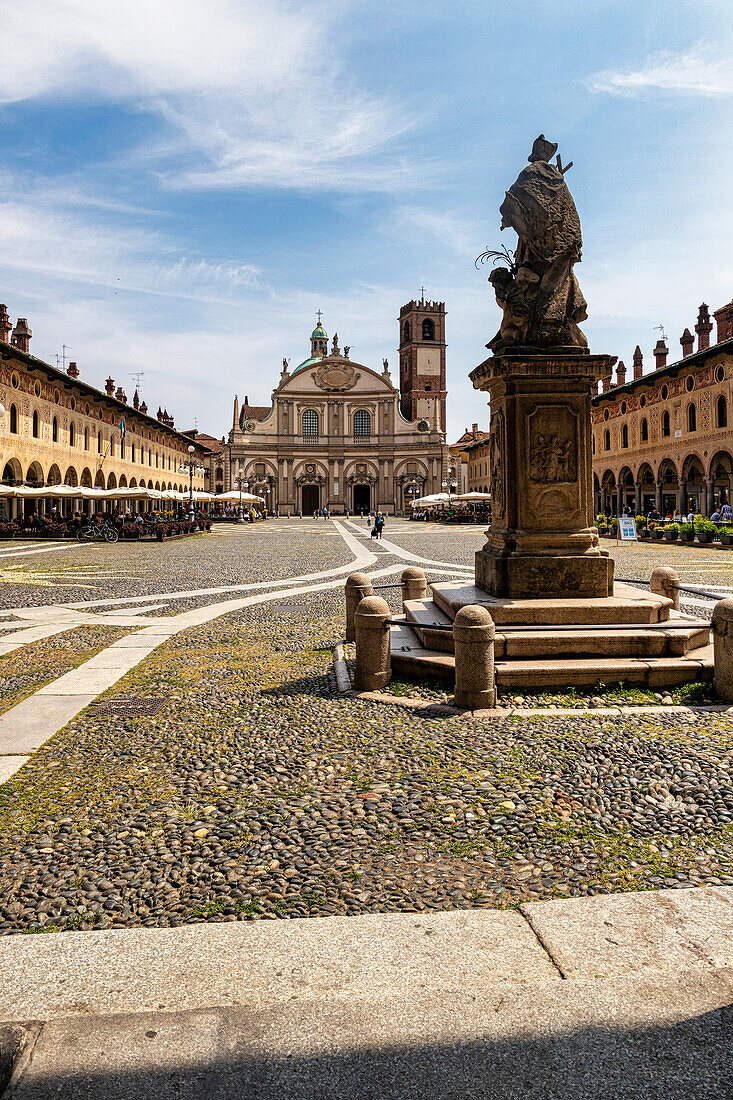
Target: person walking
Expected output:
[379,525]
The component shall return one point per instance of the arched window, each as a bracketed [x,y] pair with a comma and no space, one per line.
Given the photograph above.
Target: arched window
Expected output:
[691,417]
[122,446]
[665,423]
[72,434]
[13,420]
[99,442]
[406,333]
[132,452]
[607,440]
[55,430]
[86,439]
[625,436]
[310,424]
[428,329]
[644,430]
[35,424]
[362,423]
[721,406]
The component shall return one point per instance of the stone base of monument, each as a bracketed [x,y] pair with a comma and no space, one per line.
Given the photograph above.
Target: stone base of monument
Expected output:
[632,636]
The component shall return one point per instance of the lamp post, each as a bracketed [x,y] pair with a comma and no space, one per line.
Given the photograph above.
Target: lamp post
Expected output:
[190,465]
[412,488]
[450,481]
[241,482]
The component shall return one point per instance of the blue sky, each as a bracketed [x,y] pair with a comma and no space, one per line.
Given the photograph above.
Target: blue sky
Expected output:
[183,185]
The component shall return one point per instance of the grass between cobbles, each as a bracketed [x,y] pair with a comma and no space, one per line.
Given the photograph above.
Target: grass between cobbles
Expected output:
[254,739]
[31,667]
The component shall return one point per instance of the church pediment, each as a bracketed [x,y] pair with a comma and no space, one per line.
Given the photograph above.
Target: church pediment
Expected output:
[336,373]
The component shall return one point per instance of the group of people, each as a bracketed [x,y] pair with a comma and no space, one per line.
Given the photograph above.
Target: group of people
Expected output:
[41,522]
[722,514]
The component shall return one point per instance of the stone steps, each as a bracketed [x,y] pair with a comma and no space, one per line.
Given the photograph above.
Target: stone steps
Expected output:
[558,643]
[627,605]
[411,657]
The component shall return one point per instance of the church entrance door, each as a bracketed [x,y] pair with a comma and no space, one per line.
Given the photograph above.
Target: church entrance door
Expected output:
[311,499]
[362,499]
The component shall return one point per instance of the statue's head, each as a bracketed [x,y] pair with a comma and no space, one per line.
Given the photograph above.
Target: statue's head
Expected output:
[542,149]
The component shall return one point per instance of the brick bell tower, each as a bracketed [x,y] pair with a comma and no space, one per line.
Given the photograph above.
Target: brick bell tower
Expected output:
[422,361]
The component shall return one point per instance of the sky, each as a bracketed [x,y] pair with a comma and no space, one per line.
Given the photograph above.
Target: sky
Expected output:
[183,185]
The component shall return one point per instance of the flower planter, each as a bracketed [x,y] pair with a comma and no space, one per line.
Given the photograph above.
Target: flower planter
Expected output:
[671,536]
[657,534]
[687,536]
[726,539]
[703,537]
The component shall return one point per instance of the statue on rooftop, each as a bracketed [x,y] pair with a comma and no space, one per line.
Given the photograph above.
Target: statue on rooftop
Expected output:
[537,291]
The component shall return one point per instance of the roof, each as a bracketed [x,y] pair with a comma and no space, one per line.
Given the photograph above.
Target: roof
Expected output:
[254,412]
[470,437]
[478,442]
[9,351]
[671,370]
[215,446]
[319,333]
[308,363]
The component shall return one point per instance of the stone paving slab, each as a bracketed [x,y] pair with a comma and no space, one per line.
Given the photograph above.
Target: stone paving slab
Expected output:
[27,725]
[265,962]
[85,680]
[670,1038]
[9,765]
[121,658]
[621,934]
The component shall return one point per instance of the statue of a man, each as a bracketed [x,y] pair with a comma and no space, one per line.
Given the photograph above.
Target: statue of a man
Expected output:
[540,297]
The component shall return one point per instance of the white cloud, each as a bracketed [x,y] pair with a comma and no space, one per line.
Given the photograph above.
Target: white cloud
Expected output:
[697,72]
[255,88]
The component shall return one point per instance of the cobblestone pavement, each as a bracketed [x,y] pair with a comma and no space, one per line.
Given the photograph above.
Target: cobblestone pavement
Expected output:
[259,793]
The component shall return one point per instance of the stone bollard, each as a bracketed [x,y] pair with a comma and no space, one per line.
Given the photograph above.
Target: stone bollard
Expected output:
[357,587]
[414,585]
[373,667]
[665,582]
[723,648]
[473,635]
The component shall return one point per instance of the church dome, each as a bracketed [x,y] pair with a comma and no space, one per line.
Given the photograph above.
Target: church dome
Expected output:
[319,333]
[307,363]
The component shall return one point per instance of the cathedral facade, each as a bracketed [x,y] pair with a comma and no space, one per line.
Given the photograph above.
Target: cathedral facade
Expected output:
[339,434]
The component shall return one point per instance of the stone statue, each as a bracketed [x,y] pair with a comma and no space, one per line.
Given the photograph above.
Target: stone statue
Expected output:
[347,349]
[538,293]
[335,350]
[385,365]
[286,364]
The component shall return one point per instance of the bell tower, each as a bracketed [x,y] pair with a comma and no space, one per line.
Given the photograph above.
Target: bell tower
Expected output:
[319,340]
[422,361]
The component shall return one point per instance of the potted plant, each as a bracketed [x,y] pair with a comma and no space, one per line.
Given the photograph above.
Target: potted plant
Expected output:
[687,532]
[602,523]
[671,531]
[725,535]
[705,530]
[657,533]
[613,529]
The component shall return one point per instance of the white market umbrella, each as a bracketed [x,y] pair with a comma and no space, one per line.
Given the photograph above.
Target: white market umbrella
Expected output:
[436,498]
[234,495]
[473,496]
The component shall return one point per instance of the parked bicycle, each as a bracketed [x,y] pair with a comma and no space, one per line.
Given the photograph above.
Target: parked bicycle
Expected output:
[102,531]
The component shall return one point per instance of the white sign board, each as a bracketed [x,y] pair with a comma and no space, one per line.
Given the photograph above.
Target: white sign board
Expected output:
[627,529]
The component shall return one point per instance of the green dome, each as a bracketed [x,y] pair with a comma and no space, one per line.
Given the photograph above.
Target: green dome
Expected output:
[319,333]
[308,363]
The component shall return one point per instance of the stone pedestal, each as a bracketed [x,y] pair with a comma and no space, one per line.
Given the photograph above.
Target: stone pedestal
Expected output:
[542,542]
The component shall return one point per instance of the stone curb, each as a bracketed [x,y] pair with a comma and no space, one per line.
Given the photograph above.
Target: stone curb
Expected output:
[449,711]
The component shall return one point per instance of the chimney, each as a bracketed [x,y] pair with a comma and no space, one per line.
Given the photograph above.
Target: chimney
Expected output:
[109,387]
[474,430]
[5,325]
[144,409]
[723,319]
[21,337]
[72,370]
[606,385]
[660,354]
[136,400]
[703,328]
[688,342]
[235,418]
[121,395]
[638,362]
[621,373]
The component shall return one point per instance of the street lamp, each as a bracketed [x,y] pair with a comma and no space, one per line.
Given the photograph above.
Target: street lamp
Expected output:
[241,482]
[450,482]
[190,465]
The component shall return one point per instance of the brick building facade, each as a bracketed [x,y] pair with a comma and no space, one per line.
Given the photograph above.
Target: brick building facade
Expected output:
[665,439]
